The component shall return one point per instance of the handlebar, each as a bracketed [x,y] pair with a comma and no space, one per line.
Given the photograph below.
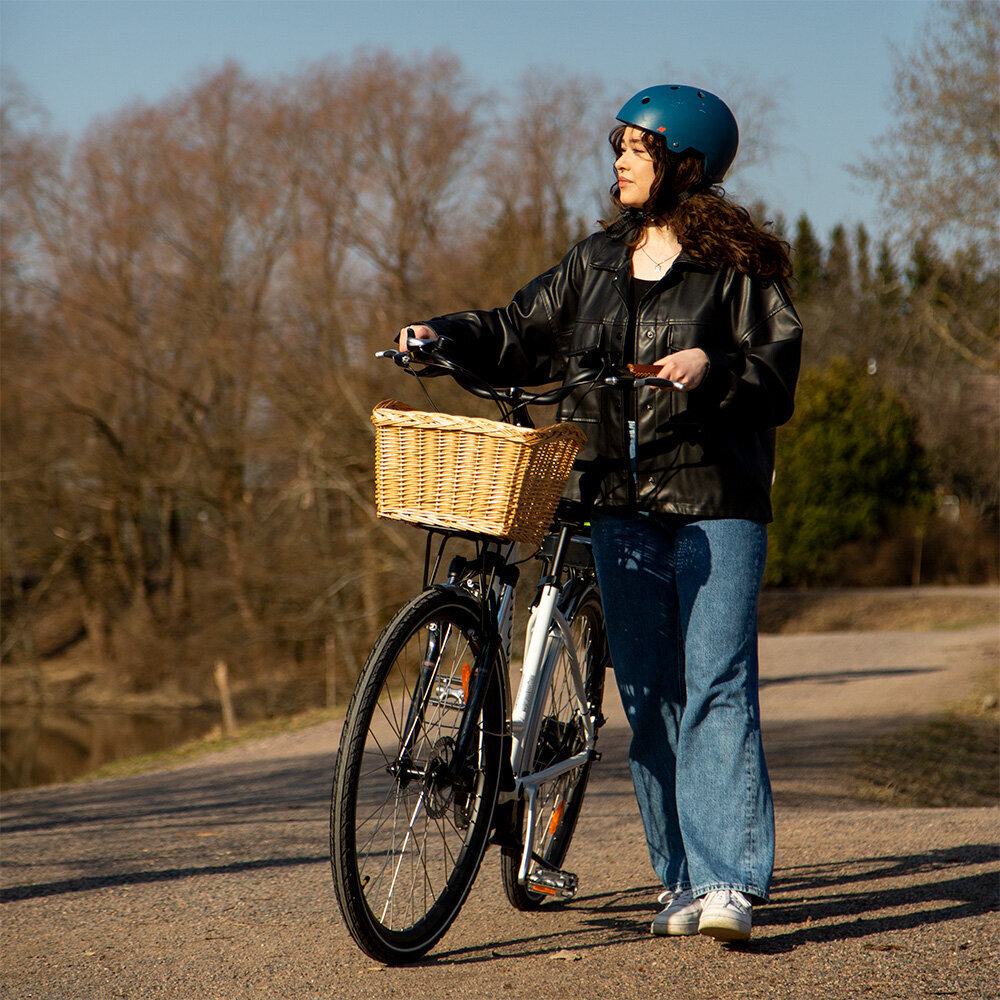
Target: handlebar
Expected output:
[428,353]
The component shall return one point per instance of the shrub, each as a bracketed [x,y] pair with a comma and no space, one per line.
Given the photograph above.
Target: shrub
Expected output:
[848,465]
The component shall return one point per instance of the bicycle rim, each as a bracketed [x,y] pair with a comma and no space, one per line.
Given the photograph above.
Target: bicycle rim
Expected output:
[405,844]
[561,735]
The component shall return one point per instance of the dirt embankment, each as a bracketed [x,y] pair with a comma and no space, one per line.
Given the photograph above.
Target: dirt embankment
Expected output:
[75,678]
[890,609]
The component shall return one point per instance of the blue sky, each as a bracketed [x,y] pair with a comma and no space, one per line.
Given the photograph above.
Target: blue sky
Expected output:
[827,62]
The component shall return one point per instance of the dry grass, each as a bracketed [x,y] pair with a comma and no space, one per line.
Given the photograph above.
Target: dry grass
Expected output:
[212,742]
[950,760]
[880,610]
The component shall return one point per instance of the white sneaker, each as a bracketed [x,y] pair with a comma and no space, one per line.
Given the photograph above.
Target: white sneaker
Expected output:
[726,915]
[679,916]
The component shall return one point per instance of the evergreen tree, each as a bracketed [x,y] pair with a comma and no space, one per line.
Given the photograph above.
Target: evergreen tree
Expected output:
[862,260]
[837,272]
[807,259]
[847,463]
[886,275]
[922,267]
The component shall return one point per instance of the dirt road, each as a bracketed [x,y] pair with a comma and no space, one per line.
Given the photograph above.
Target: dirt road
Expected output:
[211,880]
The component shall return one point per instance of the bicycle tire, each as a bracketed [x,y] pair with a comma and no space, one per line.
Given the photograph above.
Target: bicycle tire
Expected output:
[560,736]
[405,847]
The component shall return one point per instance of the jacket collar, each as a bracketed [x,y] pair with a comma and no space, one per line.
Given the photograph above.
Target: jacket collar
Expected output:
[611,254]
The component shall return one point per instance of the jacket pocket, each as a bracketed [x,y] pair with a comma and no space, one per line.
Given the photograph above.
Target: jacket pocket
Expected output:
[584,407]
[586,338]
[684,334]
[586,348]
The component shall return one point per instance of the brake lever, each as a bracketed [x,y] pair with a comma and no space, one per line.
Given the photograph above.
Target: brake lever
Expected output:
[398,357]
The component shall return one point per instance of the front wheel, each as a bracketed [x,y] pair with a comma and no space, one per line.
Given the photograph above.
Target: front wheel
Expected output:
[409,823]
[561,735]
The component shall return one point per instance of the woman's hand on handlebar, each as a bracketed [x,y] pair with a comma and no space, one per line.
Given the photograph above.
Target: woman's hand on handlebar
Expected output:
[419,330]
[688,367]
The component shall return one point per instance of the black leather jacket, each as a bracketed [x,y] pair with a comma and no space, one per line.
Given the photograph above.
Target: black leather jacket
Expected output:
[708,452]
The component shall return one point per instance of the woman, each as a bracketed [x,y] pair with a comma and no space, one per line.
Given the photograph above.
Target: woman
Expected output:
[678,482]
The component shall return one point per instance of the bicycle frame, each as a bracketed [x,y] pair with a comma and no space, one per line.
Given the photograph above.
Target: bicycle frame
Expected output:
[547,636]
[542,650]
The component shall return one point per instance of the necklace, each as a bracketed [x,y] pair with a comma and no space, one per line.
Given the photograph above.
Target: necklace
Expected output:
[658,264]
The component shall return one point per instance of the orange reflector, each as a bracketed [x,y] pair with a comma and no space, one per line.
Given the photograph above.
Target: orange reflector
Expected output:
[466,675]
[557,815]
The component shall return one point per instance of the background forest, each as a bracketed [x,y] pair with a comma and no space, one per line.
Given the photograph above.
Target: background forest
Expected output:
[193,290]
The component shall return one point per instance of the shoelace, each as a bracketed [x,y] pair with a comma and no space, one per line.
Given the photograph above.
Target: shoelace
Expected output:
[669,896]
[731,898]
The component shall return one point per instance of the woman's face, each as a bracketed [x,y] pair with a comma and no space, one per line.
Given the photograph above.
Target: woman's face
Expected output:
[635,170]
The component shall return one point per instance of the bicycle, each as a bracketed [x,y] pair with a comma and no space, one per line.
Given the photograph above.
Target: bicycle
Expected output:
[435,761]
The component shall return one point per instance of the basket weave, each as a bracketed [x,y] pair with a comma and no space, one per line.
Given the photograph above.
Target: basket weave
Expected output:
[470,474]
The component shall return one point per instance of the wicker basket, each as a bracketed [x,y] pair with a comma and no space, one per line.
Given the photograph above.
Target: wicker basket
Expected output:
[470,474]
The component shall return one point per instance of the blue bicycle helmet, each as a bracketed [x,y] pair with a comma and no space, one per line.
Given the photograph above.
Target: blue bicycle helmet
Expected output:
[687,118]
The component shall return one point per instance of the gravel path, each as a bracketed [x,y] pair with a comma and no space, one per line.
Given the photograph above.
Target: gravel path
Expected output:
[211,879]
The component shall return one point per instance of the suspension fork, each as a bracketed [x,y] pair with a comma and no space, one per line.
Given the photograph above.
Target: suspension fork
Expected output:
[496,586]
[422,690]
[479,681]
[495,580]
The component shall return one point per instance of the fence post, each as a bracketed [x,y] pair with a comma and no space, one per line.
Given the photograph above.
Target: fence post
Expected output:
[330,648]
[226,699]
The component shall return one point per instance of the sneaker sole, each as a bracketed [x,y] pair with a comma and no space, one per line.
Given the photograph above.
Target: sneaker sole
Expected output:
[724,931]
[675,928]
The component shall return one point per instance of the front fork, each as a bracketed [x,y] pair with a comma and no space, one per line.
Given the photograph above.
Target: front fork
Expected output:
[492,643]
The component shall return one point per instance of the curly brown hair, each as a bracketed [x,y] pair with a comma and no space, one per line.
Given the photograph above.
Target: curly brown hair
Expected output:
[708,227]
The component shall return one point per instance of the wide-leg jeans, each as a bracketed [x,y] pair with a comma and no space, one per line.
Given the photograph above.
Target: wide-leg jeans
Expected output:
[680,600]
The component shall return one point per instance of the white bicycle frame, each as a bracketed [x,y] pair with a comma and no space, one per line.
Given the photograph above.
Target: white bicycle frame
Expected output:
[548,633]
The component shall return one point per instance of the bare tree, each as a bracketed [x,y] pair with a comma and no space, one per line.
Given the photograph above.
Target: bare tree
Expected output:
[545,172]
[936,167]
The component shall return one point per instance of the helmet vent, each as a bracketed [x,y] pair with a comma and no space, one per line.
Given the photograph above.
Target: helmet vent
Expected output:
[646,100]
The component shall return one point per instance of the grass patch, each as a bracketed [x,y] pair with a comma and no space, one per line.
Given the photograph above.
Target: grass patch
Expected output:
[887,610]
[950,760]
[213,742]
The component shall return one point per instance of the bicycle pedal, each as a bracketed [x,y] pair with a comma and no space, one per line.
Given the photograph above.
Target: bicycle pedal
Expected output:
[553,883]
[448,694]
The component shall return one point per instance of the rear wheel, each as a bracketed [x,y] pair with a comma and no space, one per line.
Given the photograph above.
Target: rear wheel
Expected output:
[561,735]
[409,824]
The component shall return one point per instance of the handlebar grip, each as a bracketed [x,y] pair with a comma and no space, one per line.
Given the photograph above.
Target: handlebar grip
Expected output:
[415,343]
[659,383]
[647,375]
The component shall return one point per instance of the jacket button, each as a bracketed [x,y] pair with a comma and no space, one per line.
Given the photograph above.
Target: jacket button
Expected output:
[649,335]
[647,406]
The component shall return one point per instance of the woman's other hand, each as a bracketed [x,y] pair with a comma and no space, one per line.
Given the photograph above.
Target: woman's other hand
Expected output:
[418,330]
[689,367]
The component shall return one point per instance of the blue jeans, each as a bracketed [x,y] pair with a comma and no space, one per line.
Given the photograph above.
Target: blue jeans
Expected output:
[680,600]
